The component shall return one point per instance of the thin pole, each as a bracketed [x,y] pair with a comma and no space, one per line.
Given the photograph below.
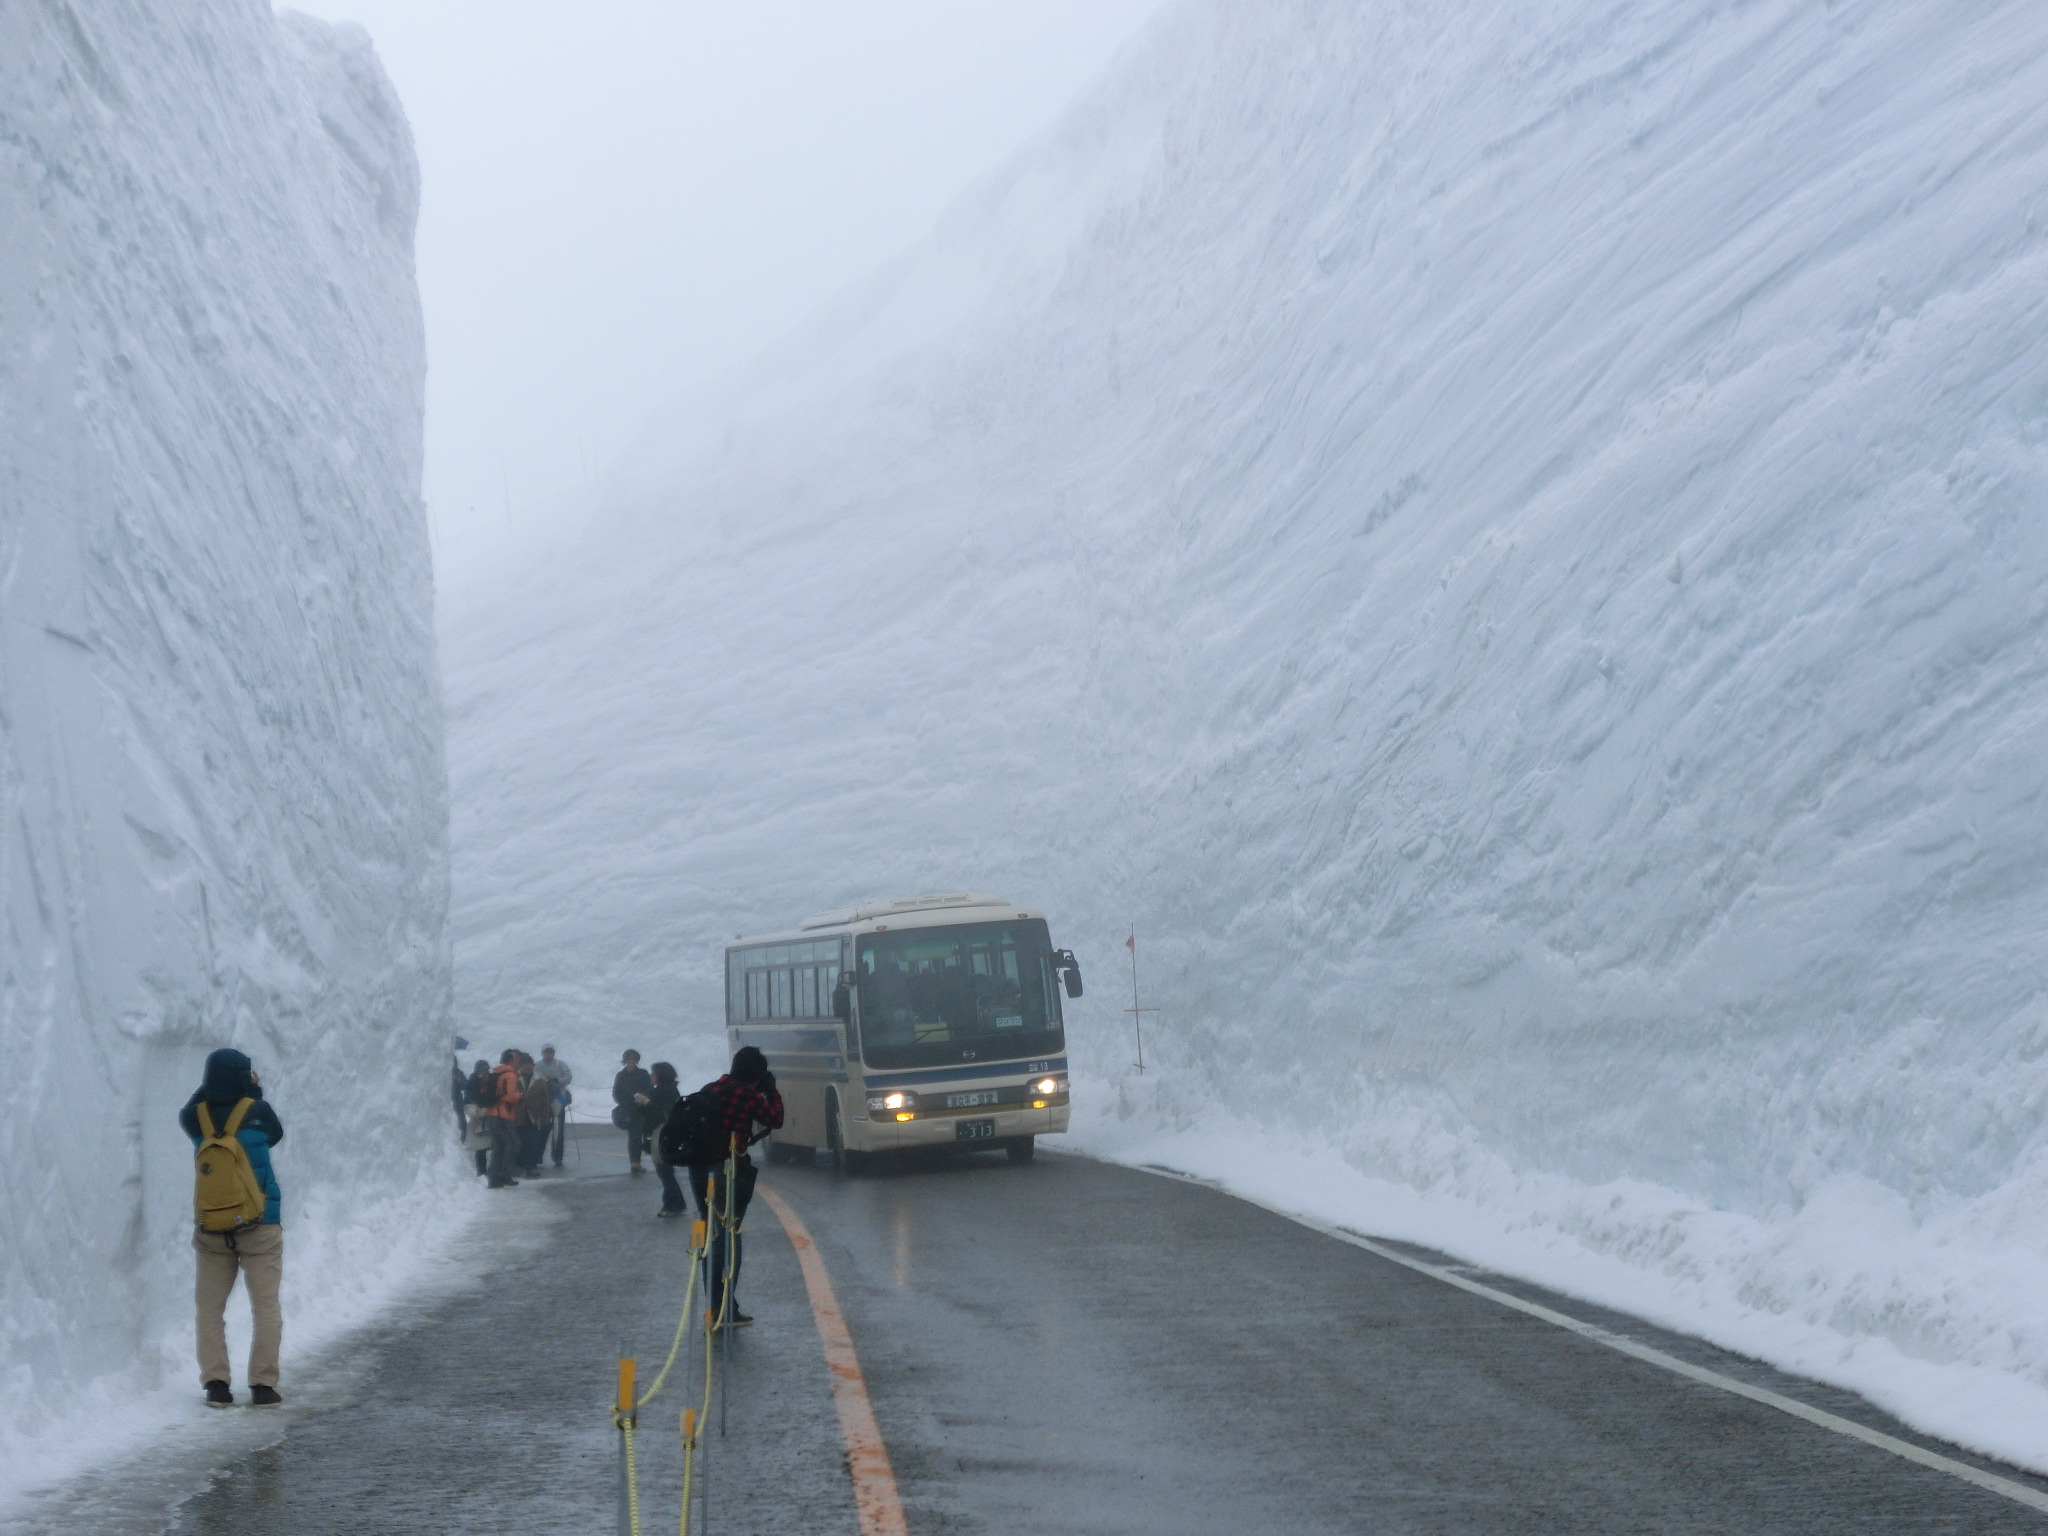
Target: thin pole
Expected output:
[1137,1018]
[1137,1014]
[725,1285]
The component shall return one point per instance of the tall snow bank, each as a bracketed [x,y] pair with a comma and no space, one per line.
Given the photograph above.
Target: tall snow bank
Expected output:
[220,744]
[1510,538]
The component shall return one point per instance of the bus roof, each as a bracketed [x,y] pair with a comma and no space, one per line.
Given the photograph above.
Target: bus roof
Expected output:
[896,912]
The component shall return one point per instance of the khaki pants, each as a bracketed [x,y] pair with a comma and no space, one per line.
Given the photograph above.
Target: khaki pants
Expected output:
[257,1254]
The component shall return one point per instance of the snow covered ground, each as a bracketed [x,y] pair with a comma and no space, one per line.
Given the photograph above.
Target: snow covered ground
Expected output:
[1508,538]
[220,730]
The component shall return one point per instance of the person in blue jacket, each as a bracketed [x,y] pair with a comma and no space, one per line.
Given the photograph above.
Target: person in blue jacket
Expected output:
[255,1252]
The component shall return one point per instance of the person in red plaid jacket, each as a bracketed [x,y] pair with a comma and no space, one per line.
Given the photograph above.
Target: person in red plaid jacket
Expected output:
[746,1097]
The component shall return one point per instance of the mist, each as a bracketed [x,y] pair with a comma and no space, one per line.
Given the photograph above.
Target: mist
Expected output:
[623,201]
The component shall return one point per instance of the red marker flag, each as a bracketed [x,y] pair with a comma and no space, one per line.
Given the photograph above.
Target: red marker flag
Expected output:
[1131,943]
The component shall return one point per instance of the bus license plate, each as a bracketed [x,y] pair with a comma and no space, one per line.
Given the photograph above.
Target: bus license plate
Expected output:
[970,1100]
[974,1130]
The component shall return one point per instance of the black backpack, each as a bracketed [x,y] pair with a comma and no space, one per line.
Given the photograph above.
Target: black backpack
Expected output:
[691,1136]
[487,1090]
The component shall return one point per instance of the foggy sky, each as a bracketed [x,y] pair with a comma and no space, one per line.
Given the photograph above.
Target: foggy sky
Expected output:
[624,198]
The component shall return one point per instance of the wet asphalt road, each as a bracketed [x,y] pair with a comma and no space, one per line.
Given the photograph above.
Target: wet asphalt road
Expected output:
[491,1412]
[1072,1347]
[1062,1347]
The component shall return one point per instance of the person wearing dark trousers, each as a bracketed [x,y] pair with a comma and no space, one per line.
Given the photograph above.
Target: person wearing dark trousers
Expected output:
[654,1116]
[631,1089]
[559,1076]
[458,1090]
[536,1116]
[476,1094]
[504,1117]
[746,1096]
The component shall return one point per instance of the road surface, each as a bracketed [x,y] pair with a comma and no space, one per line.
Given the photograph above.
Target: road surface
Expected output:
[1063,1347]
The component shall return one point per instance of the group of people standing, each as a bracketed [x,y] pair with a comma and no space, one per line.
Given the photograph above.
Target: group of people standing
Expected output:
[517,1110]
[512,1115]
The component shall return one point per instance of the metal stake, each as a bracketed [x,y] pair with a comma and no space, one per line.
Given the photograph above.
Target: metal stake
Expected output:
[1137,1014]
[725,1286]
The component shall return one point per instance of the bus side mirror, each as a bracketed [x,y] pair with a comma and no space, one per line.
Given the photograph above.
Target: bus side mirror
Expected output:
[842,998]
[1070,970]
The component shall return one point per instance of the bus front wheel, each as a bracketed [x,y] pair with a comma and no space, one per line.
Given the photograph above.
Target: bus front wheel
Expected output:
[1022,1149]
[844,1160]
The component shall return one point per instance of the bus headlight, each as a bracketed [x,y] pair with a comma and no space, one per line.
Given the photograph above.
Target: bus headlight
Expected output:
[1046,1087]
[892,1102]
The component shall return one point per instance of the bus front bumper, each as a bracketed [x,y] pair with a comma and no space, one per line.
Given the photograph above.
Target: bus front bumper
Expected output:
[1008,1124]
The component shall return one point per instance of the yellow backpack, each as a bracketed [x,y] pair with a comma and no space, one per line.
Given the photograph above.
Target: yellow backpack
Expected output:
[225,1194]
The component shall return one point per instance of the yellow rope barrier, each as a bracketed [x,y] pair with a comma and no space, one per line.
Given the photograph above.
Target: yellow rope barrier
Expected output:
[682,1326]
[625,1416]
[717,1319]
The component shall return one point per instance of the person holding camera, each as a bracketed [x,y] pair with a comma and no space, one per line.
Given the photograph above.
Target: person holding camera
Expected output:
[744,1098]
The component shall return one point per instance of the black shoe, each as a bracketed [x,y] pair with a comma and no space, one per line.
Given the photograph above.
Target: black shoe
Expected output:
[740,1319]
[667,1213]
[636,1169]
[218,1395]
[264,1397]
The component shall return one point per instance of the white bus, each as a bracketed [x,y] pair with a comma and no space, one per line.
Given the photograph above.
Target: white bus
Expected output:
[923,1021]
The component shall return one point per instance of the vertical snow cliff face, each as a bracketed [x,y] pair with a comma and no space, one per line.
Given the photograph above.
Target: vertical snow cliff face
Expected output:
[222,807]
[1510,535]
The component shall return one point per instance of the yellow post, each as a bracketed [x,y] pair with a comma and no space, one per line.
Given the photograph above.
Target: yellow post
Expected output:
[629,1496]
[689,1466]
[697,1235]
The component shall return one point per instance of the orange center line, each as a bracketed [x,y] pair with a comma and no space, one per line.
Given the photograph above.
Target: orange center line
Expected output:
[874,1481]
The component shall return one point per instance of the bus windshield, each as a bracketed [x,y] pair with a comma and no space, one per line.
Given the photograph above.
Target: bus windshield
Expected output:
[976,992]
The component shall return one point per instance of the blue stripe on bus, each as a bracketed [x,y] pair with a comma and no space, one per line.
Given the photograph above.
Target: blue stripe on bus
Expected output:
[965,1069]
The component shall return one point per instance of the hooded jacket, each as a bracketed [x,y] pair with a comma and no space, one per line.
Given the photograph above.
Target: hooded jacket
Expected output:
[509,1095]
[661,1102]
[225,1085]
[741,1105]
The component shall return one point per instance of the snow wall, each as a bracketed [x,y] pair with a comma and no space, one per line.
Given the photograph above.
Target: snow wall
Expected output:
[1509,538]
[220,732]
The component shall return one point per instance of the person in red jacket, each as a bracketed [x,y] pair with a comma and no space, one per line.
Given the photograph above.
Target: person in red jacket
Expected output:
[746,1097]
[503,1112]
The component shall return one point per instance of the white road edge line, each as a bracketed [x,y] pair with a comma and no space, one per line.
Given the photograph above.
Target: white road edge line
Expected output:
[1990,1482]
